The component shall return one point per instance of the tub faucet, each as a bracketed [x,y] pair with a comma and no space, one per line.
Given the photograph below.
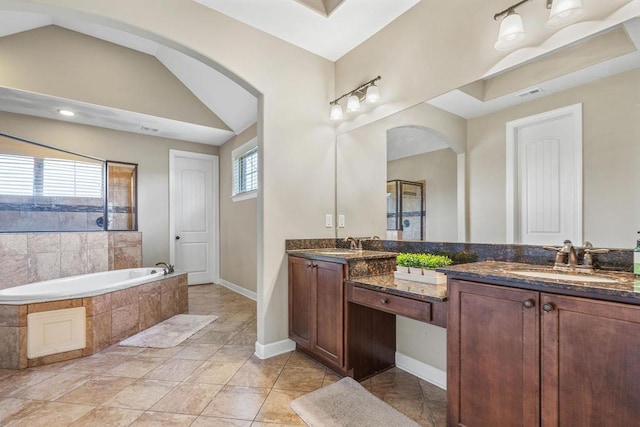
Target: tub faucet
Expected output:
[168,268]
[566,258]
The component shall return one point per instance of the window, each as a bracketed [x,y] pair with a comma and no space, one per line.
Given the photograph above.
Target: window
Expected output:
[245,171]
[16,175]
[70,178]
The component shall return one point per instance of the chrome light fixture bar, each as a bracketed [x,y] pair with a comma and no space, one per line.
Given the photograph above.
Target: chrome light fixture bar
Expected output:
[512,32]
[368,92]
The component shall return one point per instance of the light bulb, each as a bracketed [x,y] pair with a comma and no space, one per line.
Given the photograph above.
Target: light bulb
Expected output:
[564,12]
[373,94]
[511,32]
[336,112]
[353,104]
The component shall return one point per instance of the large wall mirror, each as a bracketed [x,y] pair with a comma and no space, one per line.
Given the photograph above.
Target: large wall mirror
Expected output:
[44,189]
[475,186]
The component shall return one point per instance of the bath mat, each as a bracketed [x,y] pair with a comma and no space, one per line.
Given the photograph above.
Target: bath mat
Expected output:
[169,333]
[347,403]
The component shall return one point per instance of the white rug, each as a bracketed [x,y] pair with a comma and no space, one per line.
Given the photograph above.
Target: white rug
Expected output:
[169,333]
[347,403]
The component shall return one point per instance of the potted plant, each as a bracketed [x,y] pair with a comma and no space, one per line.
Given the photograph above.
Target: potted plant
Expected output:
[421,267]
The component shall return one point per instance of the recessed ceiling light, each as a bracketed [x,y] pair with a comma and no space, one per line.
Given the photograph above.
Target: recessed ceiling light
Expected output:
[67,113]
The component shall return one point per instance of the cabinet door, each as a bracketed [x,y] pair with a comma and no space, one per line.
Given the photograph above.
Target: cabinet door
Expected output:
[329,312]
[300,300]
[492,356]
[590,362]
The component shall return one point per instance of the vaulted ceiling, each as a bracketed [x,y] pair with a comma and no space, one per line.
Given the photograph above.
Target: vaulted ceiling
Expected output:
[329,28]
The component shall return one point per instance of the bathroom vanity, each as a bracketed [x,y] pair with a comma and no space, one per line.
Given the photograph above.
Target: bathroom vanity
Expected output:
[342,307]
[536,349]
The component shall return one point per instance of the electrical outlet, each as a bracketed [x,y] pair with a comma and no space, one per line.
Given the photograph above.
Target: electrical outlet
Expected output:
[341,221]
[328,220]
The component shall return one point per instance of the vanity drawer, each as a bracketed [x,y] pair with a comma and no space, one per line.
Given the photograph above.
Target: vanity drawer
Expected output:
[419,310]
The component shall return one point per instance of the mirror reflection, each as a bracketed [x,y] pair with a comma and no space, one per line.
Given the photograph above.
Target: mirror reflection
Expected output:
[494,155]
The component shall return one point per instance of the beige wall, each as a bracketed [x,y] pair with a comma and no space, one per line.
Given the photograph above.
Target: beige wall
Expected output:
[296,87]
[439,171]
[59,62]
[238,223]
[611,151]
[151,154]
[423,54]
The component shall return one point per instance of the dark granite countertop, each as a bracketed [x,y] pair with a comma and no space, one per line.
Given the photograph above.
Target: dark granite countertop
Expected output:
[623,286]
[340,255]
[389,284]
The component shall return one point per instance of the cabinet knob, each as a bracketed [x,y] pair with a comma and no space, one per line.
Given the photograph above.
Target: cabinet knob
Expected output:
[384,301]
[547,307]
[528,303]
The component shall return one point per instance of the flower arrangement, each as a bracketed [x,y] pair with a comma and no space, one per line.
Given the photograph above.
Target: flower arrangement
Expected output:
[420,267]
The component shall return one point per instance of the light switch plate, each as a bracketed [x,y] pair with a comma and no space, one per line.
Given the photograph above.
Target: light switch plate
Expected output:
[328,220]
[341,221]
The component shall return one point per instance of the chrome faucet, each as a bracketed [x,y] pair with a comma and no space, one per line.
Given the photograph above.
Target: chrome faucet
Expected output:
[168,268]
[566,258]
[354,244]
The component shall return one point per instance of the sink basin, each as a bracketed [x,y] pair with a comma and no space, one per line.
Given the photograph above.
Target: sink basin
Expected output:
[565,276]
[337,252]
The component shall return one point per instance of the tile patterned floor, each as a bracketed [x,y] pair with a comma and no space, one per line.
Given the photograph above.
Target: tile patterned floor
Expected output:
[211,379]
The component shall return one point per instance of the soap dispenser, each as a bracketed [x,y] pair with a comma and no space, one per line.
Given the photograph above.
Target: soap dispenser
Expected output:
[636,259]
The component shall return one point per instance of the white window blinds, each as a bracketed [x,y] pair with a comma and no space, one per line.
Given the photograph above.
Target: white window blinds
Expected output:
[27,176]
[16,175]
[69,178]
[245,172]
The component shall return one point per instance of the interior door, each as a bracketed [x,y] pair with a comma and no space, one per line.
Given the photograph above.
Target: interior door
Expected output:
[194,215]
[547,180]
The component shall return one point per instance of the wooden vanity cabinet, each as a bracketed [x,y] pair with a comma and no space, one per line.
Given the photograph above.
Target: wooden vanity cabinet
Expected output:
[521,357]
[351,339]
[316,309]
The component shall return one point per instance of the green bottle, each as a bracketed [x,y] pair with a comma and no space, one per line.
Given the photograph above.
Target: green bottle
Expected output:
[636,259]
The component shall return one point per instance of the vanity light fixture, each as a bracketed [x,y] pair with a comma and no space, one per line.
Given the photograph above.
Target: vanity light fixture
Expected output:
[512,33]
[367,93]
[67,113]
[564,12]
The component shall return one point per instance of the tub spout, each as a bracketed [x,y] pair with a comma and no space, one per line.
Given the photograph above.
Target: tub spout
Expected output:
[168,268]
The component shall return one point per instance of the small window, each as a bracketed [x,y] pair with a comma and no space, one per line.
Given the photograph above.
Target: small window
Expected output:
[245,171]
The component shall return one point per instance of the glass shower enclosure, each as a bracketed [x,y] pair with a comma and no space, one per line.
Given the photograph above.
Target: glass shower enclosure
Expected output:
[405,210]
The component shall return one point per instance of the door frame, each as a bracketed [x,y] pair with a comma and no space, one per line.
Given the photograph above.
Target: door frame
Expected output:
[215,209]
[574,111]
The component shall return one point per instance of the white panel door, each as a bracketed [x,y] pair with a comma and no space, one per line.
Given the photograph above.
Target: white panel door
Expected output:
[548,179]
[194,216]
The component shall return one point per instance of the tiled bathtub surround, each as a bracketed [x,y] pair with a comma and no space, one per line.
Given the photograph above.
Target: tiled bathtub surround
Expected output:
[34,257]
[616,259]
[125,249]
[110,318]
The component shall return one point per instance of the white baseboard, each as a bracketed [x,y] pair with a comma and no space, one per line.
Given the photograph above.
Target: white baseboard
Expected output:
[265,351]
[239,289]
[422,370]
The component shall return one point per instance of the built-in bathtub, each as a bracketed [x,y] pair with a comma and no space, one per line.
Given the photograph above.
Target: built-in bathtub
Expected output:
[85,285]
[114,305]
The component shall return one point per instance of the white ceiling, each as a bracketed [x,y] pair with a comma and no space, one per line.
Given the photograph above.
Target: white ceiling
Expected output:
[350,24]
